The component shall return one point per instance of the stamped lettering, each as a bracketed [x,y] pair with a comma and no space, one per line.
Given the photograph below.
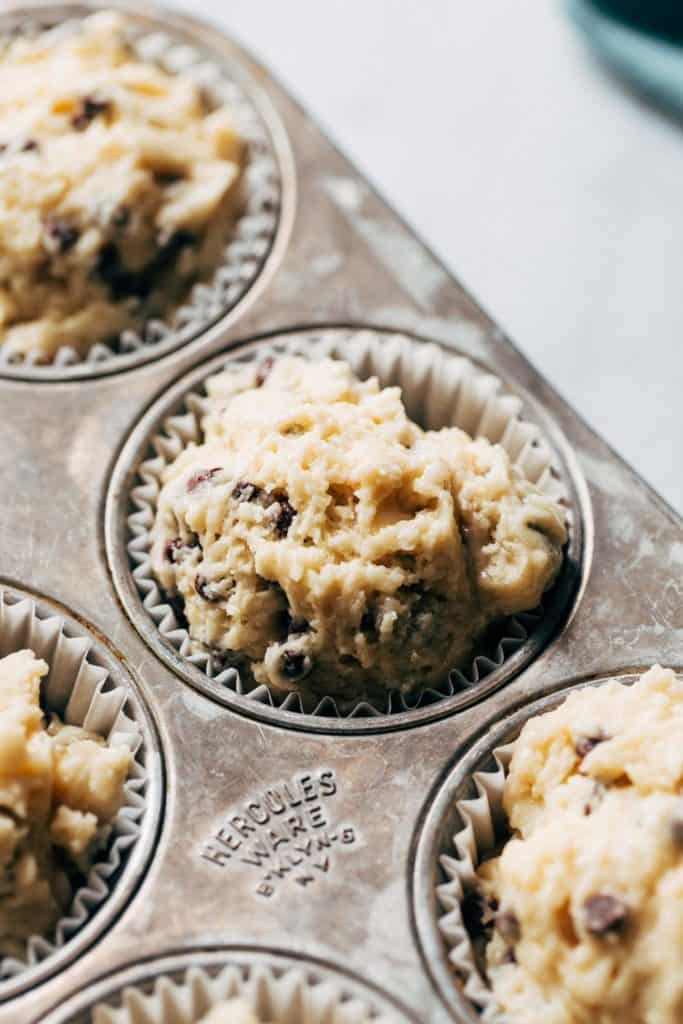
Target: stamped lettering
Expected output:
[287,832]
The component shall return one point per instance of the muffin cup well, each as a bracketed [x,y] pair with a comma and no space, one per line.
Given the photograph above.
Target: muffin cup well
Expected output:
[279,989]
[248,244]
[478,827]
[81,692]
[439,389]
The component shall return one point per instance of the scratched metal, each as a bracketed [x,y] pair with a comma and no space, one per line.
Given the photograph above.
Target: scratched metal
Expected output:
[340,257]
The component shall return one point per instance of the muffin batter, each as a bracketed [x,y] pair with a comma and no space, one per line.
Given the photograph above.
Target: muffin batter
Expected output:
[117,188]
[587,898]
[230,1011]
[335,546]
[59,785]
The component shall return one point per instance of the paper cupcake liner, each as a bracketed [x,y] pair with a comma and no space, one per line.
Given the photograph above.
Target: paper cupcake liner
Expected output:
[484,825]
[246,247]
[181,988]
[81,692]
[293,996]
[439,389]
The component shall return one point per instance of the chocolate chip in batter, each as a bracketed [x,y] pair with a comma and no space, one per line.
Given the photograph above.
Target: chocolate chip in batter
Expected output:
[677,827]
[120,217]
[507,925]
[60,236]
[263,371]
[201,477]
[87,109]
[282,514]
[171,548]
[368,626]
[584,744]
[122,283]
[168,177]
[604,914]
[170,243]
[295,664]
[244,491]
[30,146]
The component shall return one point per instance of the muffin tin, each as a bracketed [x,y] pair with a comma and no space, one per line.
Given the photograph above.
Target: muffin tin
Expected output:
[354,806]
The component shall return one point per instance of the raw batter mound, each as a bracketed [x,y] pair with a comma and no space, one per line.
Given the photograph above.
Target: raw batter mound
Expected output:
[587,899]
[59,785]
[230,1011]
[336,546]
[117,188]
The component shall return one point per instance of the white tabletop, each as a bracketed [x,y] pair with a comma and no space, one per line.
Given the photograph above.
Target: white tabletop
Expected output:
[548,189]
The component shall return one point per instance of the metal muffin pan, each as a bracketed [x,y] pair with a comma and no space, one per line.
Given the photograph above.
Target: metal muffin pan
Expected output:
[275,837]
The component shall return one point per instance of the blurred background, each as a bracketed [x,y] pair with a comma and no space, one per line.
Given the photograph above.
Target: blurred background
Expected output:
[552,190]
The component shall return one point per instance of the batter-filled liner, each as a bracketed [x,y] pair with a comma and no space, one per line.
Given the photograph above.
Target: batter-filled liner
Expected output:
[439,389]
[247,245]
[481,830]
[291,996]
[81,692]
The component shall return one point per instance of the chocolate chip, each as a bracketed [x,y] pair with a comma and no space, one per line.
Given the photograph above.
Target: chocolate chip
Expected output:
[170,245]
[120,218]
[122,283]
[507,924]
[171,548]
[677,829]
[244,491]
[202,585]
[168,177]
[282,514]
[604,914]
[295,664]
[30,146]
[201,477]
[60,235]
[263,371]
[87,109]
[368,626]
[584,744]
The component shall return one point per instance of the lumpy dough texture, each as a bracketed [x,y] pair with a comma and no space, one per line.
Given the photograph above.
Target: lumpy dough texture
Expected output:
[336,546]
[589,893]
[117,188]
[59,785]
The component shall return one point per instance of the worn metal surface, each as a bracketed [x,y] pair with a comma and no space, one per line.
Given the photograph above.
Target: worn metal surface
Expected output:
[340,257]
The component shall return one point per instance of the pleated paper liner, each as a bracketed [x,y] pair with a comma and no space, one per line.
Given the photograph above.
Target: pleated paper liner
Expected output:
[79,689]
[482,828]
[252,234]
[279,990]
[439,389]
